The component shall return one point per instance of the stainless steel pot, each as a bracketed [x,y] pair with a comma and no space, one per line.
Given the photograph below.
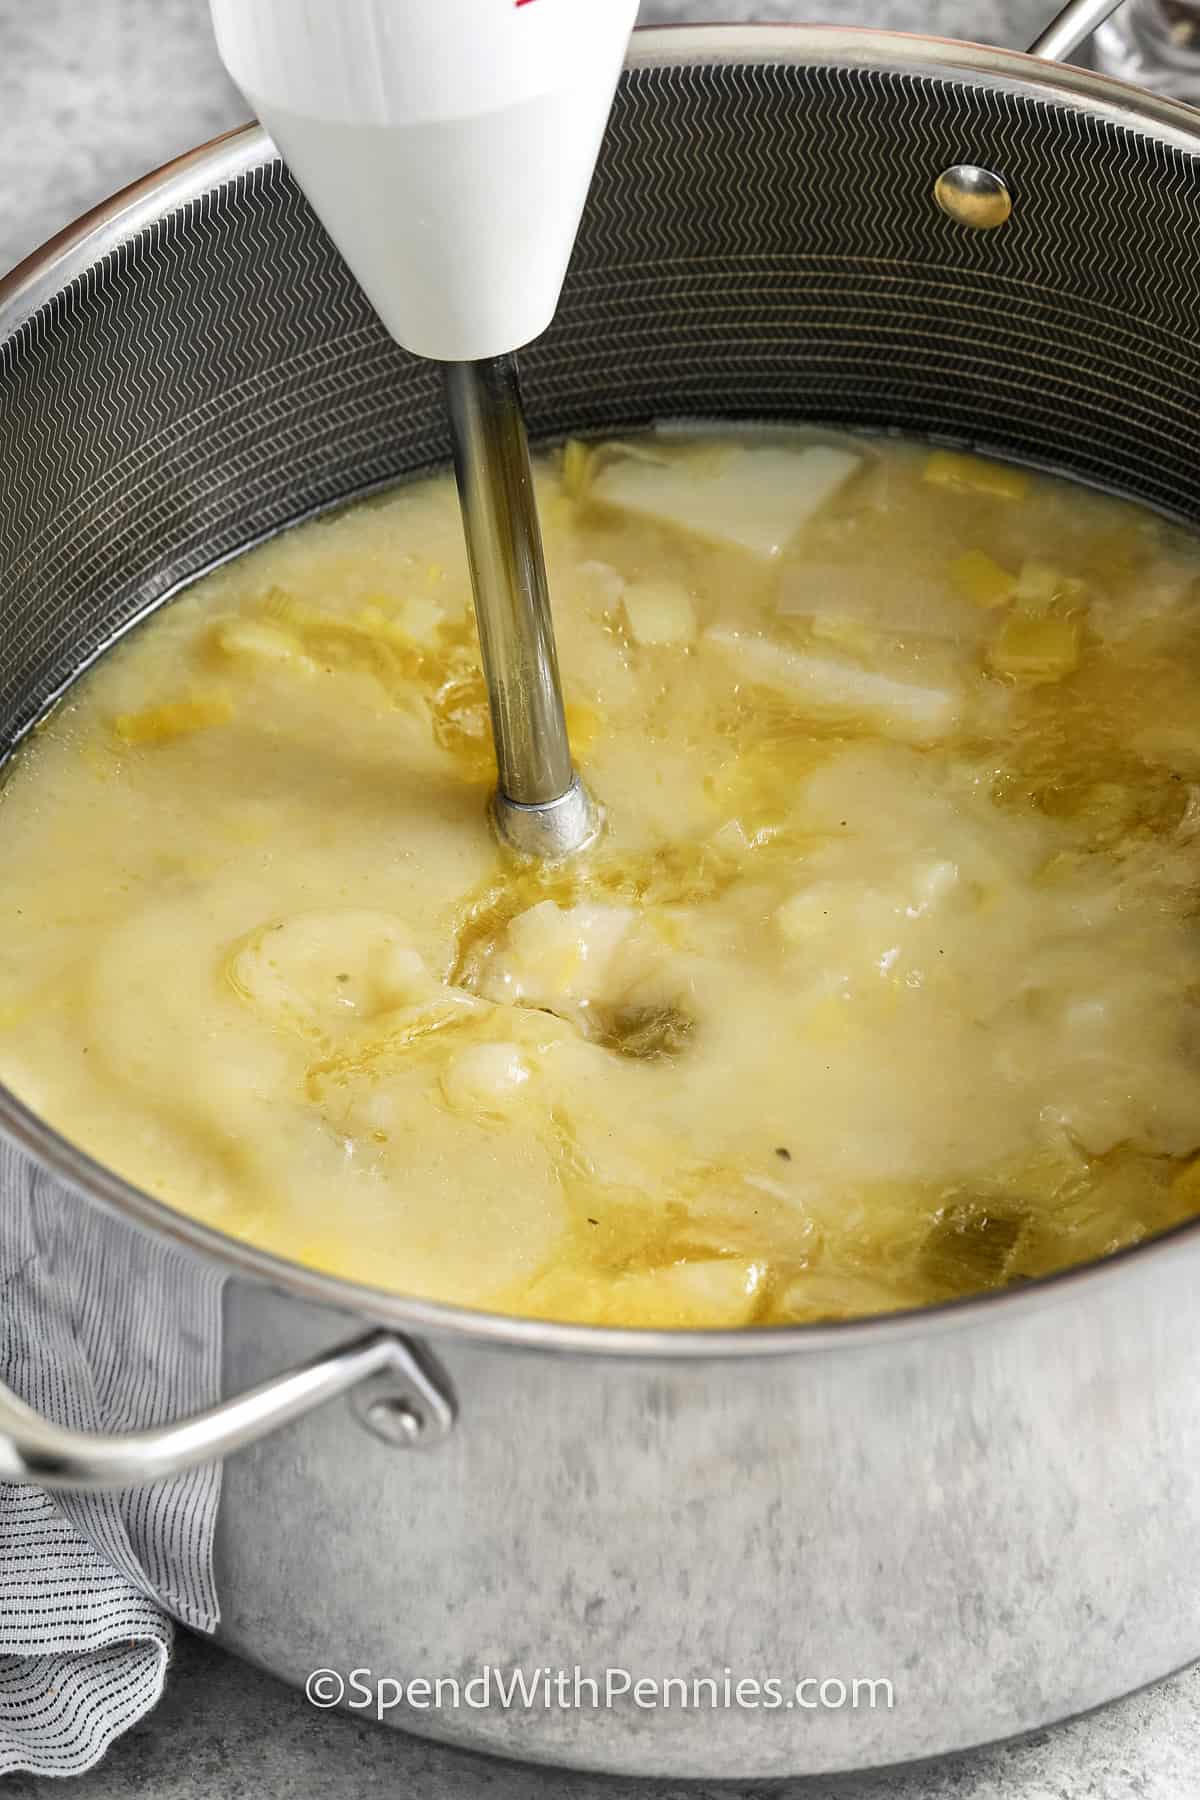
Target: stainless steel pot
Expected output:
[991,1505]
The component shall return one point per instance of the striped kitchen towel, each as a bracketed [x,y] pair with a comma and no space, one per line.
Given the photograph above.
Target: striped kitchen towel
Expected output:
[104,1329]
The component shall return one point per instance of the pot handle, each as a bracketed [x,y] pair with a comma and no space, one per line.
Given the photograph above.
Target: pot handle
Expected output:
[400,1401]
[1068,28]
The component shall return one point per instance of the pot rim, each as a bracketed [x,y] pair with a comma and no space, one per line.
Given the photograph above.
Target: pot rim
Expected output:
[66,259]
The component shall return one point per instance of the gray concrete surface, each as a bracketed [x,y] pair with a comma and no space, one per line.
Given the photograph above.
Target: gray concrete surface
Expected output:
[92,94]
[225,1732]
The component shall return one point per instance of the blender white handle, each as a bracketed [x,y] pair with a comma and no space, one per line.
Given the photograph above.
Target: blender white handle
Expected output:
[446,145]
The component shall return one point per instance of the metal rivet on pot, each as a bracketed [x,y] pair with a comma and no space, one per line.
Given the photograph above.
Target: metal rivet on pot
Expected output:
[394,1418]
[409,1406]
[973,196]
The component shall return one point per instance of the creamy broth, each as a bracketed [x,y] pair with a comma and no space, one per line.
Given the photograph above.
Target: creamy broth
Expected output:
[880,987]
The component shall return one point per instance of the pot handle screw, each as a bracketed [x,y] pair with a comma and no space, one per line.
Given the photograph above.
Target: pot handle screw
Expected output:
[406,1404]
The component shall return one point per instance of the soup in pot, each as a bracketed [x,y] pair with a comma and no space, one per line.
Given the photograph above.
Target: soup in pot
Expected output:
[879,987]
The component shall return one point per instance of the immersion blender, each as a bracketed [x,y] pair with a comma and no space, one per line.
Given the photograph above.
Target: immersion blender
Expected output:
[447,147]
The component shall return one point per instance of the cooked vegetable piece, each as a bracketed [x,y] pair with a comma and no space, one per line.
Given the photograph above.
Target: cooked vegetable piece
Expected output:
[259,640]
[1036,649]
[976,475]
[839,688]
[174,719]
[1040,584]
[755,498]
[971,1246]
[319,971]
[981,580]
[576,469]
[659,612]
[864,603]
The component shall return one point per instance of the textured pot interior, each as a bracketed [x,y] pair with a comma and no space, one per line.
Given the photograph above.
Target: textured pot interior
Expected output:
[761,241]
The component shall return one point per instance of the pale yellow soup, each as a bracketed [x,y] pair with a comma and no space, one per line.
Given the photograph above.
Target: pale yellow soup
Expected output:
[879,988]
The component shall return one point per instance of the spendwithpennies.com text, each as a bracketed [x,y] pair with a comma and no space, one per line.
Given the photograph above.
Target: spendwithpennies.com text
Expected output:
[543,1688]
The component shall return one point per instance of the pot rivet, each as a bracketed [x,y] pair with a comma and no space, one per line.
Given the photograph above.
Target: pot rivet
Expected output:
[973,197]
[395,1419]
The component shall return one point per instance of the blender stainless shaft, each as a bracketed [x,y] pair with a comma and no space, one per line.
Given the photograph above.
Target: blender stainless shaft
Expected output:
[541,807]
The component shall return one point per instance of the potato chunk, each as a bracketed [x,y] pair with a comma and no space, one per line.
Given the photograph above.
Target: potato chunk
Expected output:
[321,970]
[567,959]
[659,612]
[837,687]
[752,497]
